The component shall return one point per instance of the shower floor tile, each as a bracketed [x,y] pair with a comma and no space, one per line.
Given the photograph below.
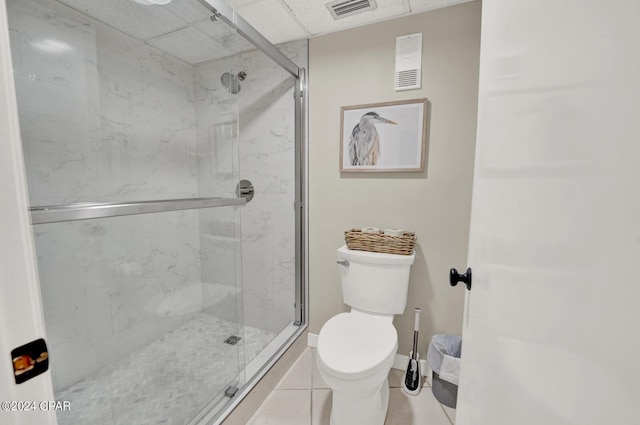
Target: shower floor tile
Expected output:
[167,382]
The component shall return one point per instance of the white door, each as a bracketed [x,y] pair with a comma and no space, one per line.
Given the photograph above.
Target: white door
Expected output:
[551,333]
[21,319]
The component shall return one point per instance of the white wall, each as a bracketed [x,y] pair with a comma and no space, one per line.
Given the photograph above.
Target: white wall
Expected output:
[357,67]
[550,333]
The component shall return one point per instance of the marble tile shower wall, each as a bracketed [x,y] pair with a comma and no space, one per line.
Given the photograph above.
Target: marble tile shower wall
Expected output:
[106,118]
[265,125]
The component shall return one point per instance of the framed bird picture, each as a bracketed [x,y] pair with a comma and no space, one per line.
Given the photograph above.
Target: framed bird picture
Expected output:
[383,137]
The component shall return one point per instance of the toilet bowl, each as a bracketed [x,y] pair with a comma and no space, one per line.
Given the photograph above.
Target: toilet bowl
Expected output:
[354,355]
[355,350]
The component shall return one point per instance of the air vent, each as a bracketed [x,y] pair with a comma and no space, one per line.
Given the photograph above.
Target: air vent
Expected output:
[408,62]
[341,9]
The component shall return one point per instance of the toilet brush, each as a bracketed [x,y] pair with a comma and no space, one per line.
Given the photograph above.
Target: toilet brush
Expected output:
[413,379]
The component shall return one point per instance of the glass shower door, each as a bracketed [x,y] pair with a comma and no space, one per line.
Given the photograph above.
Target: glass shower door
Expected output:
[132,183]
[129,317]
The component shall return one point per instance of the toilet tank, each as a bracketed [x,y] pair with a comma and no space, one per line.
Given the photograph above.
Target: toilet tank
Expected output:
[375,282]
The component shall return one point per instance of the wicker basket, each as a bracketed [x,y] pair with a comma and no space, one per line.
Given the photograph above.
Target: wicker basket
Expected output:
[377,242]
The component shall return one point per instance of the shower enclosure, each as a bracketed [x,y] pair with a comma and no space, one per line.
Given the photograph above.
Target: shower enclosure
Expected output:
[164,154]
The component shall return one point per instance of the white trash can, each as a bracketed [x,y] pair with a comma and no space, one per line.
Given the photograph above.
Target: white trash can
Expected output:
[443,358]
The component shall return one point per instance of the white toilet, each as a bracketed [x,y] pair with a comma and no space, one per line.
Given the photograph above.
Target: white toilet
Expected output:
[356,350]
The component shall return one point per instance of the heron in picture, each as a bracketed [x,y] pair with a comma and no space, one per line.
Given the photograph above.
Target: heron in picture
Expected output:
[364,145]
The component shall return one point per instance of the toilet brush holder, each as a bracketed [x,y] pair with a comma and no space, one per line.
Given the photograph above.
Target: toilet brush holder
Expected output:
[412,381]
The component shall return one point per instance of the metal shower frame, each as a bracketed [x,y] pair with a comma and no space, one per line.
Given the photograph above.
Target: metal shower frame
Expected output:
[221,11]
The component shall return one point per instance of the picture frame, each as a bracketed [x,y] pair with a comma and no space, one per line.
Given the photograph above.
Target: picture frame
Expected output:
[384,137]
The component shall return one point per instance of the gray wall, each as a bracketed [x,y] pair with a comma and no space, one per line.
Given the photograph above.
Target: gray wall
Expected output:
[357,67]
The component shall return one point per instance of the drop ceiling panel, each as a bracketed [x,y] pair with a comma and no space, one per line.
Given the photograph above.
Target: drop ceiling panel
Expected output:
[273,20]
[235,4]
[188,10]
[278,20]
[317,19]
[224,35]
[425,5]
[142,22]
[190,45]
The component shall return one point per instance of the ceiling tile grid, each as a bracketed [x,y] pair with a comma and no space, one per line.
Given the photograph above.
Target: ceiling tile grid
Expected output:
[224,36]
[190,46]
[279,21]
[188,10]
[141,22]
[273,19]
[425,5]
[317,19]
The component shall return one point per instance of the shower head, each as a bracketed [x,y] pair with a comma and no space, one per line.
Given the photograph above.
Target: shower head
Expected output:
[232,82]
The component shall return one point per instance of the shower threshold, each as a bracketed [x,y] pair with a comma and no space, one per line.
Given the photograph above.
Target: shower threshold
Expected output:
[218,410]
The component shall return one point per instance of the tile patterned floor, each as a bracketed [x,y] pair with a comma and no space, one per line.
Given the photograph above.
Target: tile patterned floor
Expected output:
[302,398]
[167,382]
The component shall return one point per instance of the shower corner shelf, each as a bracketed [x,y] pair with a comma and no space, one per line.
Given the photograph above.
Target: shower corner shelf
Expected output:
[89,210]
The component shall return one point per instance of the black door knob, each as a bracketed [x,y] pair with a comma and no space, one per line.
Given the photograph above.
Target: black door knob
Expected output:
[455,277]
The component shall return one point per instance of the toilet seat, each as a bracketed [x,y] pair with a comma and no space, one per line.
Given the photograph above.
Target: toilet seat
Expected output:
[354,346]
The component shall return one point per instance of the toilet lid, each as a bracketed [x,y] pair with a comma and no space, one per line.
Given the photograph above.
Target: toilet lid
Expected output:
[353,346]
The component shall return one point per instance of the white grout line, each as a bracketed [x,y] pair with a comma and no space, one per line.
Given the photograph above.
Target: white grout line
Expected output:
[447,414]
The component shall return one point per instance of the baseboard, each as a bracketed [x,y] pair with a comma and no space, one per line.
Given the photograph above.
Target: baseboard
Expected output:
[399,362]
[312,340]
